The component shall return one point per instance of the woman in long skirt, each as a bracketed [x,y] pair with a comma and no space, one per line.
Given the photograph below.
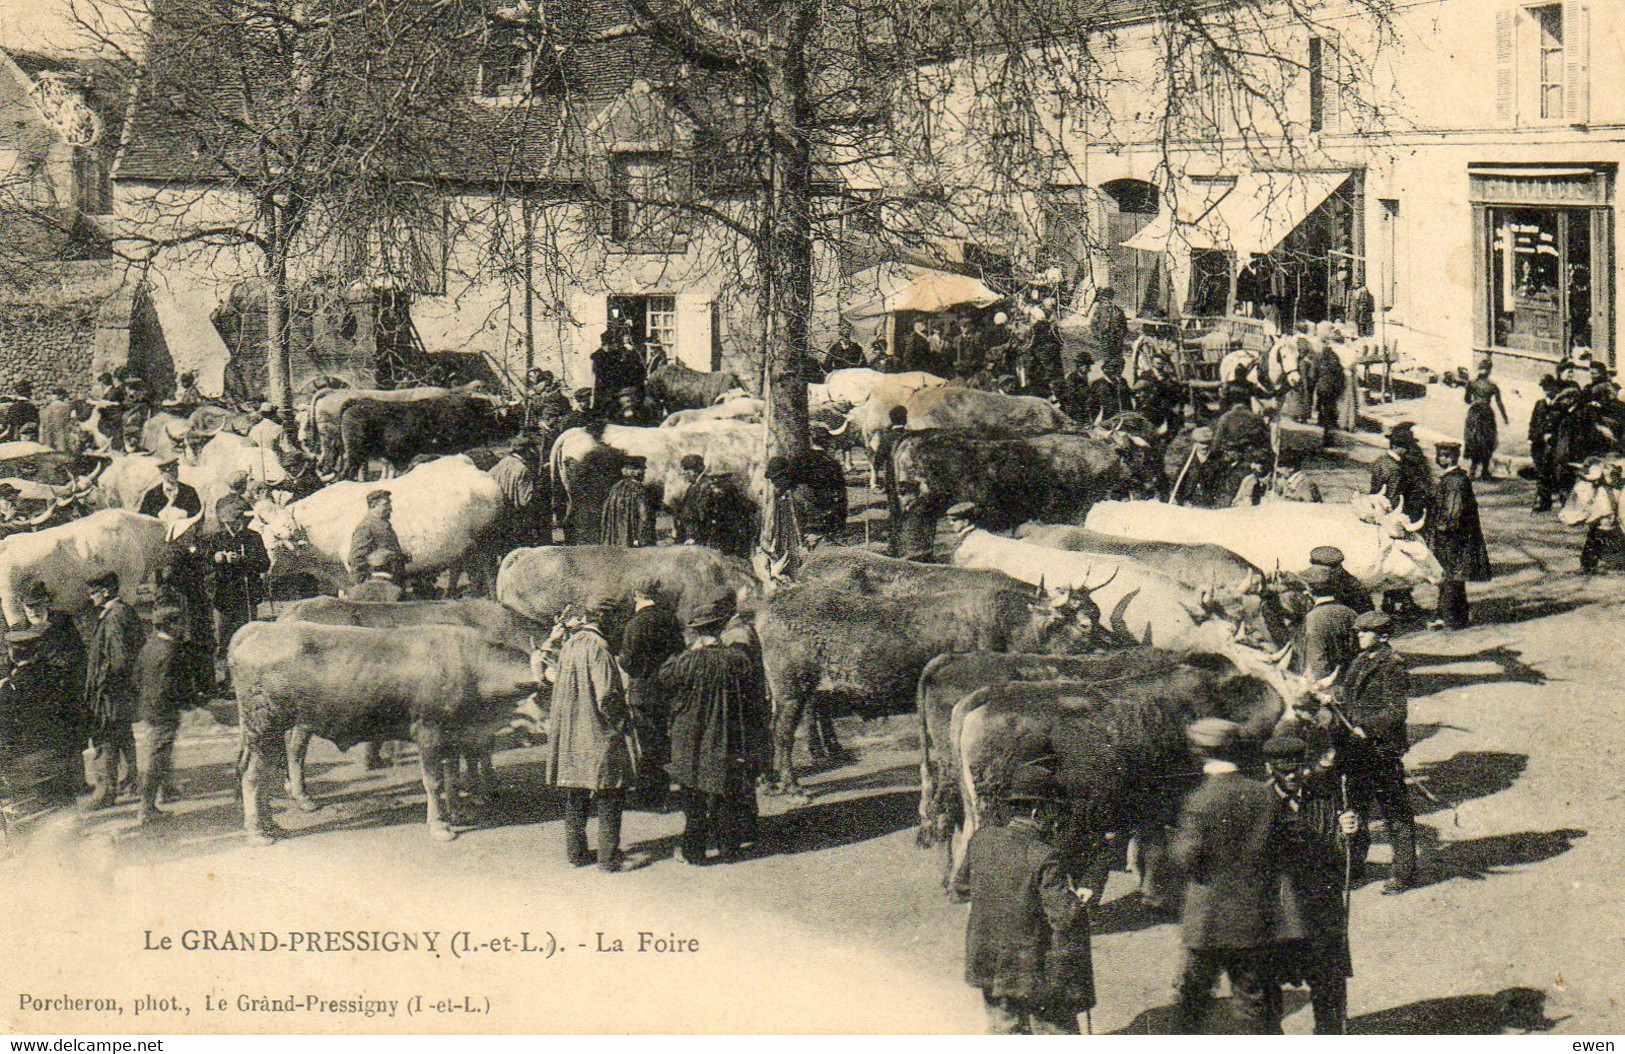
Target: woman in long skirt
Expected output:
[1480,435]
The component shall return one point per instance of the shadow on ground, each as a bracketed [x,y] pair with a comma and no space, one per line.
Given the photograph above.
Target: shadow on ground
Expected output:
[1511,669]
[1509,1011]
[1476,859]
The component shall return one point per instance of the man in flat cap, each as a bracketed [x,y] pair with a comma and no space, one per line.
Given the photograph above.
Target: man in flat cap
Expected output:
[110,693]
[240,562]
[1327,633]
[1224,845]
[1345,587]
[375,531]
[719,740]
[1457,539]
[1376,698]
[589,749]
[1204,480]
[1403,475]
[1027,939]
[629,513]
[1314,833]
[169,498]
[652,635]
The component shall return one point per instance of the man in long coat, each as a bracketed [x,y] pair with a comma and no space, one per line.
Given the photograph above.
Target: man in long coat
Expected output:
[182,580]
[1376,695]
[1027,939]
[629,514]
[44,685]
[714,512]
[588,485]
[1457,539]
[1328,626]
[525,521]
[652,635]
[240,563]
[110,687]
[161,694]
[1402,474]
[718,736]
[589,755]
[1225,847]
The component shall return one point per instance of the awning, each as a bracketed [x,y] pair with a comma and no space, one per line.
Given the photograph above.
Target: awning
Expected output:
[891,287]
[1249,218]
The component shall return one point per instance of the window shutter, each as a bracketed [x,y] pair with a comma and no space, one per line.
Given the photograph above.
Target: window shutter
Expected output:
[1506,68]
[695,340]
[1577,60]
[1331,79]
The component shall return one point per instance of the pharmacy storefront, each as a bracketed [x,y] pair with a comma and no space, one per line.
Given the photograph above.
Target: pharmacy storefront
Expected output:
[1543,237]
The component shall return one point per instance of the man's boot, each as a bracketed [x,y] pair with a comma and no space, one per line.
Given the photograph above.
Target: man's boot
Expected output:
[102,795]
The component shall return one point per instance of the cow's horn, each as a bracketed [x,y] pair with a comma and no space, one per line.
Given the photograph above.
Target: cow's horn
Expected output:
[1091,590]
[1329,680]
[1041,591]
[1281,657]
[846,422]
[1415,526]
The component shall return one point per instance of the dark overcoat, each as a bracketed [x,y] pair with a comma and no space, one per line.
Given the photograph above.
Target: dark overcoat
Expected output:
[719,717]
[1458,539]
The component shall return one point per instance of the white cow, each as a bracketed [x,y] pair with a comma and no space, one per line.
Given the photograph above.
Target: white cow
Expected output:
[67,556]
[130,476]
[1135,601]
[727,446]
[744,408]
[442,513]
[848,388]
[1385,555]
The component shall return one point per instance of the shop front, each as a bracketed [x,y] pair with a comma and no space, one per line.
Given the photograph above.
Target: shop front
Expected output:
[1544,277]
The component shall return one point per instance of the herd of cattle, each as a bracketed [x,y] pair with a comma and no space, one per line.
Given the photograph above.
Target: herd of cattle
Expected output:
[1094,636]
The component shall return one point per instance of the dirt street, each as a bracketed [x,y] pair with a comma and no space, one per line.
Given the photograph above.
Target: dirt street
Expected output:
[842,925]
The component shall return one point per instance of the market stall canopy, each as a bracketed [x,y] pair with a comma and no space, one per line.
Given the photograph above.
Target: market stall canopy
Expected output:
[1249,217]
[892,287]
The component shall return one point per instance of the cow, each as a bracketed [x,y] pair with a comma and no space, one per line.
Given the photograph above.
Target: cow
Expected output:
[988,414]
[1385,555]
[395,433]
[445,687]
[157,434]
[540,583]
[444,512]
[1593,502]
[49,472]
[861,571]
[673,386]
[744,408]
[319,423]
[130,476]
[1052,478]
[947,681]
[726,446]
[824,645]
[1141,604]
[852,387]
[65,557]
[1116,744]
[494,623]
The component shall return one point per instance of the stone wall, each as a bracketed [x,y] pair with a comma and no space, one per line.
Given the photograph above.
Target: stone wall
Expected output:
[48,330]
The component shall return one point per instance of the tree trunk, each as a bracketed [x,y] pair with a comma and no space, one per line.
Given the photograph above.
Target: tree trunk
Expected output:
[784,252]
[278,369]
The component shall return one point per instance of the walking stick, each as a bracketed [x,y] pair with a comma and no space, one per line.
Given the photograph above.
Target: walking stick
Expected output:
[1348,881]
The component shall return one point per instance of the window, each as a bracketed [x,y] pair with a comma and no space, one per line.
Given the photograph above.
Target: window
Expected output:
[517,58]
[1540,279]
[1317,85]
[660,322]
[641,184]
[1388,255]
[1548,21]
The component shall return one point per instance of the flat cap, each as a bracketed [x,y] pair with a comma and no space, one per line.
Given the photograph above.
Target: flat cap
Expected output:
[1212,733]
[1326,556]
[962,510]
[1285,748]
[1448,447]
[693,463]
[635,462]
[1033,783]
[1317,576]
[1202,435]
[375,496]
[1373,622]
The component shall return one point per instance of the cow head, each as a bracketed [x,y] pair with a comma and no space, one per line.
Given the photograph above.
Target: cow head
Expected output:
[1406,560]
[1596,494]
[287,542]
[1072,613]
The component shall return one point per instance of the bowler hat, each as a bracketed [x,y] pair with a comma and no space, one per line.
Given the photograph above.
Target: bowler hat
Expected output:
[1285,748]
[1213,733]
[1033,783]
[1373,622]
[963,510]
[1326,556]
[693,463]
[1447,448]
[34,593]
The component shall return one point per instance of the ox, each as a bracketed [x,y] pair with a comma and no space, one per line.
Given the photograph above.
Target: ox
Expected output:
[130,476]
[541,583]
[445,687]
[1116,743]
[395,433]
[319,424]
[443,514]
[67,556]
[1053,478]
[1594,502]
[727,446]
[744,408]
[860,571]
[205,420]
[851,387]
[824,646]
[988,414]
[1145,606]
[673,386]
[1385,555]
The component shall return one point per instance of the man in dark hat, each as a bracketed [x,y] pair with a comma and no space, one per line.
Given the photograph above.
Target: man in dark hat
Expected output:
[161,693]
[110,693]
[380,586]
[719,742]
[169,498]
[781,518]
[896,430]
[240,564]
[1225,848]
[182,580]
[1345,587]
[1108,332]
[1313,836]
[715,511]
[43,686]
[1403,475]
[580,413]
[17,411]
[1205,477]
[1291,482]
[629,512]
[524,521]
[1327,633]
[1541,427]
[1457,539]
[1027,940]
[1376,696]
[375,531]
[632,411]
[651,636]
[589,740]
